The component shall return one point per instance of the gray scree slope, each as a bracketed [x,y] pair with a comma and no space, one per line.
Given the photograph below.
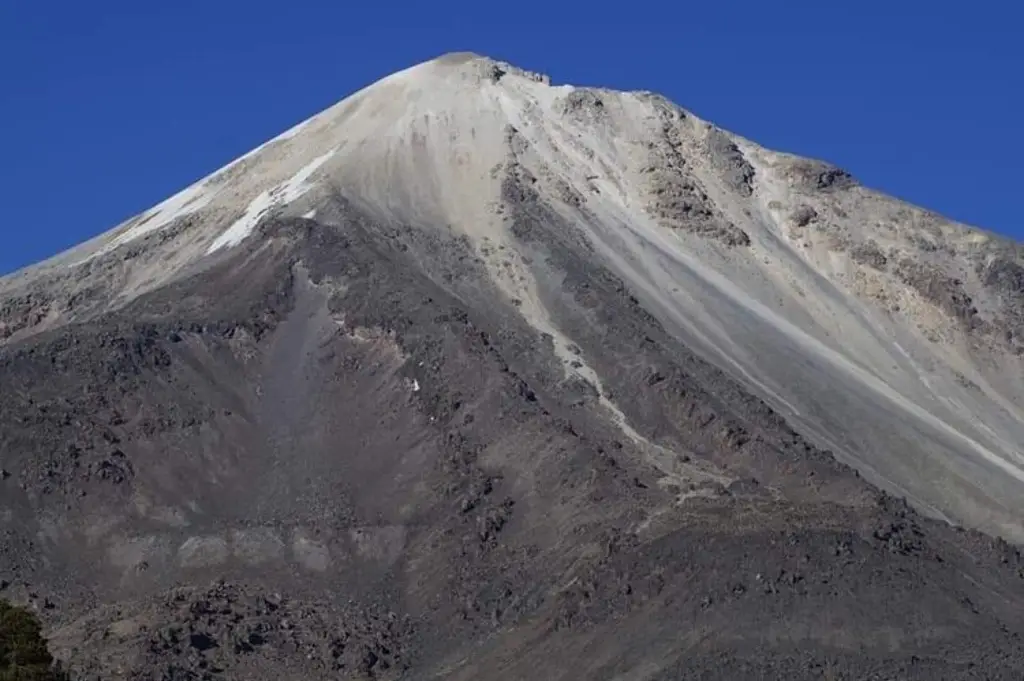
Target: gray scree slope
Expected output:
[473,376]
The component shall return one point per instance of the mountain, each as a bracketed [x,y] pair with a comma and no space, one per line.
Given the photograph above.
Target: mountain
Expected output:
[476,376]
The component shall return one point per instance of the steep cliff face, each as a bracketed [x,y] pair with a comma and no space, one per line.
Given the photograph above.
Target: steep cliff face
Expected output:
[470,357]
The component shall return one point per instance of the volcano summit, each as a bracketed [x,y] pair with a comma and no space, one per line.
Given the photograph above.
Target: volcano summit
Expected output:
[472,376]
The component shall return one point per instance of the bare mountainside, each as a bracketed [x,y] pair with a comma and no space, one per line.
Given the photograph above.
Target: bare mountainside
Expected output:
[473,376]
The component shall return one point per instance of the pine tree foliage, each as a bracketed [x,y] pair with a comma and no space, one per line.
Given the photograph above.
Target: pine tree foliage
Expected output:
[23,652]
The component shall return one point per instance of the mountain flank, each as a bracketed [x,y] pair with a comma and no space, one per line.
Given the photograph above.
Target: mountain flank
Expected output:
[473,375]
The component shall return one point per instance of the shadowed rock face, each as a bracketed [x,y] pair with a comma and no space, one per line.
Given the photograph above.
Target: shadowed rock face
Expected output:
[428,429]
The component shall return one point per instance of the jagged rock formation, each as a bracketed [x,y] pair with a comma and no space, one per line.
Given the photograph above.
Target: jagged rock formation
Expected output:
[473,376]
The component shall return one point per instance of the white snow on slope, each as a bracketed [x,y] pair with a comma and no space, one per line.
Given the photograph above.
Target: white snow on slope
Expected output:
[275,197]
[184,203]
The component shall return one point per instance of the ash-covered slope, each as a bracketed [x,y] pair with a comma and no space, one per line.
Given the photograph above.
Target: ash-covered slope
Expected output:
[473,376]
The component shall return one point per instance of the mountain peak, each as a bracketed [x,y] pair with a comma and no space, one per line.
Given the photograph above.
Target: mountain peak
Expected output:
[460,57]
[469,361]
[463,146]
[486,66]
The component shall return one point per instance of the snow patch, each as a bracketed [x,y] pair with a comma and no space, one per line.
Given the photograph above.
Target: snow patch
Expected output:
[181,204]
[309,215]
[275,197]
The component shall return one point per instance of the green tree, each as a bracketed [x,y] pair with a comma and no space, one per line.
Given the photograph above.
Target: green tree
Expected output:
[23,652]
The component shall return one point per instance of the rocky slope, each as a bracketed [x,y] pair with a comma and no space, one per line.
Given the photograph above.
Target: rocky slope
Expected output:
[473,376]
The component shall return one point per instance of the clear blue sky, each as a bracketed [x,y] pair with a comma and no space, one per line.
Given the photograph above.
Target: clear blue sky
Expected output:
[107,107]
